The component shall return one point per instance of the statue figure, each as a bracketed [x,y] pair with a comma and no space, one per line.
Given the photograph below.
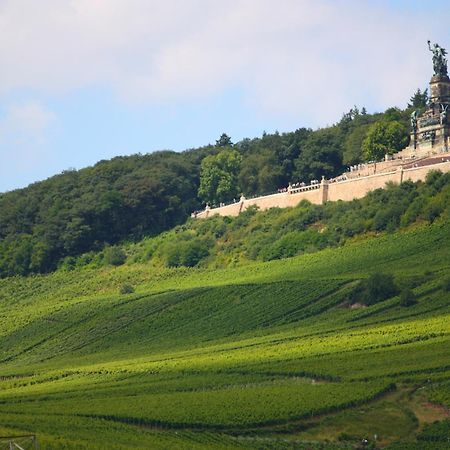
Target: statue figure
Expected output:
[439,60]
[443,114]
[414,121]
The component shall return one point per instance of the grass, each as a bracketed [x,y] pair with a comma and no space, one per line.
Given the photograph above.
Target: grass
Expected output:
[267,355]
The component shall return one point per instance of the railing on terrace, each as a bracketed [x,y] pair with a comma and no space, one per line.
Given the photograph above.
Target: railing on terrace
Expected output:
[310,187]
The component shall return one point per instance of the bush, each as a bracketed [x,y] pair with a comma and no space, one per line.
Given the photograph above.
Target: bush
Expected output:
[435,179]
[433,210]
[407,297]
[184,253]
[126,289]
[294,243]
[377,288]
[68,263]
[114,256]
[387,218]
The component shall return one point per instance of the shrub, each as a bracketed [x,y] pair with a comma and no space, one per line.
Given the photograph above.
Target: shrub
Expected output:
[435,179]
[414,211]
[387,218]
[377,288]
[433,210]
[114,256]
[184,253]
[68,263]
[193,252]
[126,289]
[294,243]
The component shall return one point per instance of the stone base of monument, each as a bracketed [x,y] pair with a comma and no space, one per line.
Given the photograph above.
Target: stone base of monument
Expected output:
[439,89]
[431,130]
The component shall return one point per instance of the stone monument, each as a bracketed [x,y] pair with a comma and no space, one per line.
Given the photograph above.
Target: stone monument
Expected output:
[430,131]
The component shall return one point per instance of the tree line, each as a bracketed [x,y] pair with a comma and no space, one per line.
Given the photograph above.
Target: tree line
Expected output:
[126,198]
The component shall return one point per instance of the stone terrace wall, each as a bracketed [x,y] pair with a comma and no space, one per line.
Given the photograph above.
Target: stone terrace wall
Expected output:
[359,187]
[343,190]
[281,200]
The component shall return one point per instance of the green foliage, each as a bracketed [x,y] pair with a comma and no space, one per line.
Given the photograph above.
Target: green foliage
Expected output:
[294,243]
[353,145]
[376,288]
[218,177]
[419,99]
[384,138]
[260,173]
[81,211]
[184,253]
[114,256]
[126,288]
[224,141]
[321,155]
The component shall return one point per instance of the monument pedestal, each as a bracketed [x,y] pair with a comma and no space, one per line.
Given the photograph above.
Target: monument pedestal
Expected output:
[432,130]
[439,89]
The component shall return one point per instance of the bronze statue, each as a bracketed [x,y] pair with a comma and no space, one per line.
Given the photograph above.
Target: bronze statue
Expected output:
[439,60]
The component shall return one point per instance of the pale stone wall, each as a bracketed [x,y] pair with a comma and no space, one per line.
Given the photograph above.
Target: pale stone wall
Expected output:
[285,199]
[229,210]
[343,190]
[280,200]
[359,187]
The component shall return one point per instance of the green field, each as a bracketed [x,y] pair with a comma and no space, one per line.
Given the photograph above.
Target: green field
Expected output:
[266,355]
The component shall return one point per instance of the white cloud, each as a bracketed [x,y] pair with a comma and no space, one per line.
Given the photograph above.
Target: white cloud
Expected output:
[311,59]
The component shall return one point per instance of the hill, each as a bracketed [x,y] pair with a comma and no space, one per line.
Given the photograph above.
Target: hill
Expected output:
[127,198]
[273,354]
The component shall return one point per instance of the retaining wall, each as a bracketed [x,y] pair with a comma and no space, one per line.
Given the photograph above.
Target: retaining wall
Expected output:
[342,190]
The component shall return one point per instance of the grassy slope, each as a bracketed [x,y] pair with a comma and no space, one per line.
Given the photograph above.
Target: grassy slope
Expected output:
[239,357]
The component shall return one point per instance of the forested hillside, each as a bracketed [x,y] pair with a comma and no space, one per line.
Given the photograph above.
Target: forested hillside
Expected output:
[127,198]
[282,232]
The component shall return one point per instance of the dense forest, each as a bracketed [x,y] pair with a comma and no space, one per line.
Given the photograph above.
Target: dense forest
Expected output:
[126,198]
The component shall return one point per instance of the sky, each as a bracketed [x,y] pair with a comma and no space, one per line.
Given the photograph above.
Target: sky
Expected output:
[85,80]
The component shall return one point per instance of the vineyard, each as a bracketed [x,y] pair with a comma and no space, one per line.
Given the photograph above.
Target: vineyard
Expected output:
[264,355]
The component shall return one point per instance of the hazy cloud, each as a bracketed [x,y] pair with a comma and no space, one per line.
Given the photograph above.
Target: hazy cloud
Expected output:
[24,133]
[295,57]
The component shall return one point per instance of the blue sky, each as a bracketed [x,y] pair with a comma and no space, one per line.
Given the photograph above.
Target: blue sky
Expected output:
[84,80]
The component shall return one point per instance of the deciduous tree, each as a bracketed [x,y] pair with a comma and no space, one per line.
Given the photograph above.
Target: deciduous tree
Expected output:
[219,176]
[384,137]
